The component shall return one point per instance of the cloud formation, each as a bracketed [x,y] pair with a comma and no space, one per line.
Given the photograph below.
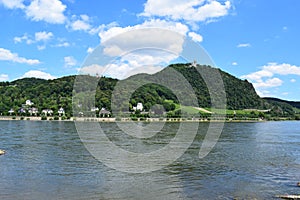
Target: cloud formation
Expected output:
[39,37]
[70,61]
[243,45]
[7,55]
[38,74]
[43,36]
[51,11]
[12,4]
[195,36]
[165,37]
[80,24]
[3,77]
[264,78]
[189,10]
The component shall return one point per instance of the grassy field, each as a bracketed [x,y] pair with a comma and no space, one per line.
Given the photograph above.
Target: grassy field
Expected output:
[193,111]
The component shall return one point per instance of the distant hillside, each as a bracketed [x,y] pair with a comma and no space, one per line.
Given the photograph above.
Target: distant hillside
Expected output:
[283,107]
[239,94]
[295,104]
[49,94]
[53,94]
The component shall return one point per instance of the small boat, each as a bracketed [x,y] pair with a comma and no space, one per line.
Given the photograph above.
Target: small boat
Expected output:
[292,197]
[2,152]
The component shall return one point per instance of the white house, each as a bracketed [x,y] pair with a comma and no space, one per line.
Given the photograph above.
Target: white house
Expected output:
[33,111]
[61,112]
[94,109]
[22,110]
[139,107]
[47,112]
[103,112]
[11,111]
[28,103]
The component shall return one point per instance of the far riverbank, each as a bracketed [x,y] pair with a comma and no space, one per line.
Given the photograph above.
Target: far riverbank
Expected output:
[95,119]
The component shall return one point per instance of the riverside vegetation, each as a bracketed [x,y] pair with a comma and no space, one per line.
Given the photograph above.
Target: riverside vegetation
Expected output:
[242,100]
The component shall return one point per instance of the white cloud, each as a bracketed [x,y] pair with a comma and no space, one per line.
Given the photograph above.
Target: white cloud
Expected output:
[282,69]
[153,23]
[148,44]
[92,70]
[195,36]
[189,10]
[264,78]
[38,74]
[243,45]
[12,4]
[102,27]
[43,36]
[153,33]
[293,80]
[7,55]
[234,63]
[41,47]
[3,77]
[51,11]
[142,47]
[90,50]
[70,61]
[272,69]
[257,76]
[81,24]
[274,82]
[84,23]
[63,44]
[21,39]
[113,50]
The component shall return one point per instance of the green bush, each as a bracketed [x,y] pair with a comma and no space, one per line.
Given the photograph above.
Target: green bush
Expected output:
[43,118]
[134,118]
[56,118]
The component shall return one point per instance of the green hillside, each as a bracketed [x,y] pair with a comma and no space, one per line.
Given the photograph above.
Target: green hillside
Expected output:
[149,90]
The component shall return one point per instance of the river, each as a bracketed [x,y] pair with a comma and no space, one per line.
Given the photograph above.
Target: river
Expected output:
[47,160]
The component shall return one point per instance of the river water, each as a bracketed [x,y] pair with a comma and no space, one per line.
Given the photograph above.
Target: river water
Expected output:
[47,160]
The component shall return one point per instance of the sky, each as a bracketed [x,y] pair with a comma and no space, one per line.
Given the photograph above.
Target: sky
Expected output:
[257,40]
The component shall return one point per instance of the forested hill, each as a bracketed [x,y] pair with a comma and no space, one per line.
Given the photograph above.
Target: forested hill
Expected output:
[240,93]
[295,104]
[53,94]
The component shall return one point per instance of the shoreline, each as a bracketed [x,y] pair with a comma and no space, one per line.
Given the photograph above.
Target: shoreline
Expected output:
[110,120]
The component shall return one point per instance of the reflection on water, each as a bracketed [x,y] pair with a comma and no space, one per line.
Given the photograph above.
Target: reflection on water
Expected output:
[46,160]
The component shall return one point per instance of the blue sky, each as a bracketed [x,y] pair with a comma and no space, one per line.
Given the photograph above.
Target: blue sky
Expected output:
[256,40]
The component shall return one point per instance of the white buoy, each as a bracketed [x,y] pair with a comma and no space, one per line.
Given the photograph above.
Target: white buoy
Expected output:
[2,152]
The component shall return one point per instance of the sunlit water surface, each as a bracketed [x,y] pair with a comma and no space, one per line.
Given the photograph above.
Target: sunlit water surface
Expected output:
[47,160]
